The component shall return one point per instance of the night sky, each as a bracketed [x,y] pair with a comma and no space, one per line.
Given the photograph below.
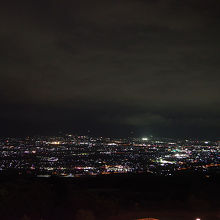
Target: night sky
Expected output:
[113,67]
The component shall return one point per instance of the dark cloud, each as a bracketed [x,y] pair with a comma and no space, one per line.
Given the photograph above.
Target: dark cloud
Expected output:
[110,66]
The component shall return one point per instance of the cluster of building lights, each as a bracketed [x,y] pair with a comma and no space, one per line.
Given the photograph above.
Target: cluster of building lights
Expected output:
[74,156]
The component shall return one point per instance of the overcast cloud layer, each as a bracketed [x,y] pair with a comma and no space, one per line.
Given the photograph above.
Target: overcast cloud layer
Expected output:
[111,66]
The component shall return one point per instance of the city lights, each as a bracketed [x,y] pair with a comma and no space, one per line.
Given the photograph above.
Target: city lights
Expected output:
[73,156]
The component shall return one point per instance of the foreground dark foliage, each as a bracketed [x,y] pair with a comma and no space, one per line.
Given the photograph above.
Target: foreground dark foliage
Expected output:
[109,197]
